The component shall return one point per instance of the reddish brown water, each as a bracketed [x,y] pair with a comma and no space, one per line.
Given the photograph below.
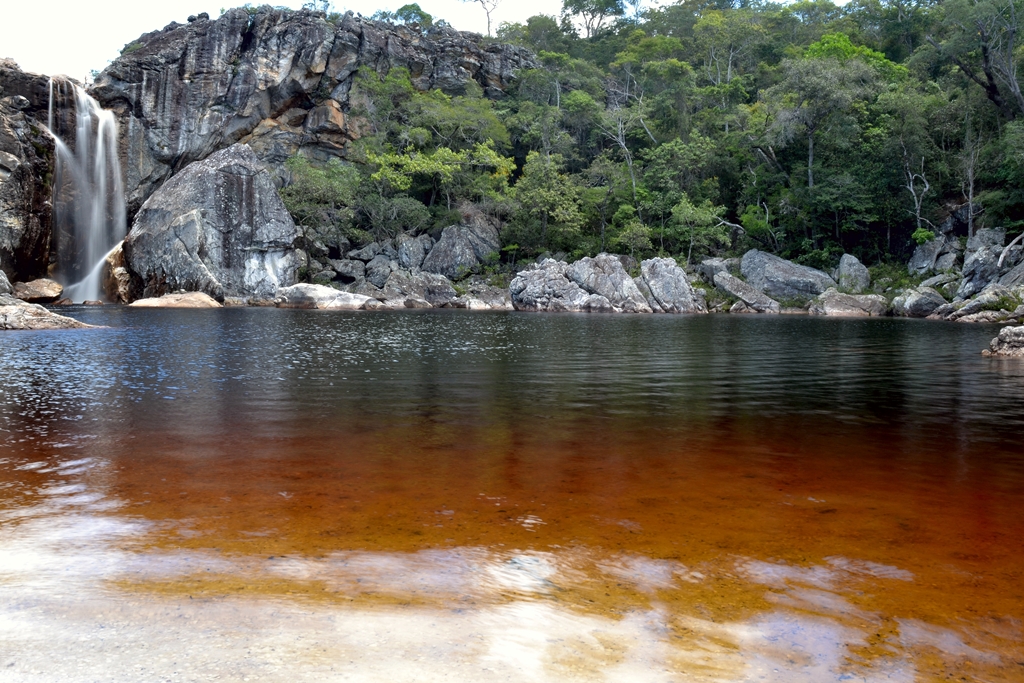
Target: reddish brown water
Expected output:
[513,497]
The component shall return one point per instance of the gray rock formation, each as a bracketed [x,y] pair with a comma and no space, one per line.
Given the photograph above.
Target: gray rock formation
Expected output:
[782,279]
[708,268]
[463,247]
[1009,342]
[378,270]
[412,250]
[482,296]
[350,271]
[981,262]
[546,286]
[26,169]
[16,314]
[365,253]
[1013,277]
[667,289]
[402,285]
[750,297]
[317,296]
[217,227]
[852,275]
[5,284]
[277,79]
[178,300]
[41,291]
[604,275]
[917,303]
[935,256]
[831,302]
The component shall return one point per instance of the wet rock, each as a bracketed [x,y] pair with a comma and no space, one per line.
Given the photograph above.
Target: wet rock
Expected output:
[832,303]
[751,298]
[41,291]
[463,247]
[1009,342]
[412,250]
[666,287]
[547,287]
[217,227]
[178,300]
[413,302]
[277,79]
[782,279]
[16,314]
[117,281]
[378,270]
[604,275]
[318,296]
[853,276]
[917,303]
[26,171]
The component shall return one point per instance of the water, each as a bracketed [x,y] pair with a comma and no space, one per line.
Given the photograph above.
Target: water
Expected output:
[88,193]
[446,495]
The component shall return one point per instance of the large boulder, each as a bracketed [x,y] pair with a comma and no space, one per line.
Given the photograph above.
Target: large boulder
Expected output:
[833,303]
[412,250]
[378,270]
[1009,342]
[26,172]
[667,289]
[604,275]
[318,296]
[16,314]
[546,286]
[981,268]
[853,276]
[917,303]
[217,227]
[463,247]
[404,285]
[708,268]
[5,284]
[41,291]
[179,300]
[751,298]
[782,279]
[279,80]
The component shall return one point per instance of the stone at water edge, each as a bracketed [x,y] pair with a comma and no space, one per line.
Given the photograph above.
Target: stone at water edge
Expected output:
[41,291]
[750,297]
[832,303]
[1009,342]
[218,226]
[5,284]
[546,287]
[605,276]
[320,297]
[178,300]
[16,314]
[782,279]
[670,290]
[463,247]
[917,303]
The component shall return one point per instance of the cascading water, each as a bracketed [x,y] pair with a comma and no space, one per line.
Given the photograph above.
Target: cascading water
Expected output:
[88,194]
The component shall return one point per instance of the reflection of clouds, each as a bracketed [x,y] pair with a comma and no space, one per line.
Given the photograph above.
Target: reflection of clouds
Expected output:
[646,574]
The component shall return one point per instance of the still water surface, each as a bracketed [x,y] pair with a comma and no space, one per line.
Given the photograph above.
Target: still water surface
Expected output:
[445,495]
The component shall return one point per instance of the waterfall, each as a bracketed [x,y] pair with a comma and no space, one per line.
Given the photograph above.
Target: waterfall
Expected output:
[88,194]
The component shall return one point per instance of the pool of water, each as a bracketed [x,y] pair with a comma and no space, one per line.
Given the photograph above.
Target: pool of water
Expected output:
[451,495]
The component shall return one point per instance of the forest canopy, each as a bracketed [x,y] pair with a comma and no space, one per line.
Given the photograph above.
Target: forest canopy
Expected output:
[807,129]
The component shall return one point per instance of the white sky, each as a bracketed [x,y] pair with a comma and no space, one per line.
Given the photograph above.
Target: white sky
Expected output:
[73,37]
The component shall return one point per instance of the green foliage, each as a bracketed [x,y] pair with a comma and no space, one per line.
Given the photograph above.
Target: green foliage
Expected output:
[922,235]
[131,47]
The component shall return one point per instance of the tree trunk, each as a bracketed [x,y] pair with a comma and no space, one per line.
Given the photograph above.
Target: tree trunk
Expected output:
[810,160]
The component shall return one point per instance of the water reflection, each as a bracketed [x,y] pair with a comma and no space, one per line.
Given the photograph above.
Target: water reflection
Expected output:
[480,497]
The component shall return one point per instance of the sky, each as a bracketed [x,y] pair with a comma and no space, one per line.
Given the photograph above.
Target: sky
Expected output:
[74,37]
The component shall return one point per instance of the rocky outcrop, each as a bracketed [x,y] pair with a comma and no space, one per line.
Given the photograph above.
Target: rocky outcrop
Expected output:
[179,300]
[280,80]
[26,170]
[1009,342]
[782,279]
[667,289]
[5,284]
[217,227]
[16,314]
[547,286]
[318,296]
[752,299]
[917,303]
[833,303]
[935,256]
[604,276]
[402,285]
[412,250]
[981,262]
[852,275]
[41,291]
[463,247]
[708,268]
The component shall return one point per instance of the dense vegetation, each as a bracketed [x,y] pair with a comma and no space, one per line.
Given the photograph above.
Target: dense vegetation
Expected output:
[805,129]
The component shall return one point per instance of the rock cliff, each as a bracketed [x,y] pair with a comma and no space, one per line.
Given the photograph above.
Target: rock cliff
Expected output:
[276,79]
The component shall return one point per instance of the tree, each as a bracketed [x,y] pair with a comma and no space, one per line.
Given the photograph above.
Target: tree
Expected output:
[700,225]
[593,13]
[488,6]
[548,197]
